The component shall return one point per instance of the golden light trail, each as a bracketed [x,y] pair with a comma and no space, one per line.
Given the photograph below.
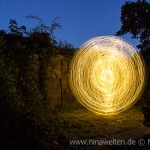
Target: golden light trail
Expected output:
[107,75]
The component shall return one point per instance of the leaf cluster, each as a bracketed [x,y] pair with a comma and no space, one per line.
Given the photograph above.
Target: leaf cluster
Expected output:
[135,18]
[26,120]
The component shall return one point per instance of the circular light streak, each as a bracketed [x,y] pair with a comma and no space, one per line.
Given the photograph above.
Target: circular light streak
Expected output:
[107,75]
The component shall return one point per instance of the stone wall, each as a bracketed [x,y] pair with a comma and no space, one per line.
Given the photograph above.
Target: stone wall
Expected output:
[56,81]
[57,84]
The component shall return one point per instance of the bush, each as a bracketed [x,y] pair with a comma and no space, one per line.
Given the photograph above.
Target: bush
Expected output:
[26,121]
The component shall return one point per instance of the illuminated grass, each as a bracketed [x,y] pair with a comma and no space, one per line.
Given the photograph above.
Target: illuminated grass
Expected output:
[82,124]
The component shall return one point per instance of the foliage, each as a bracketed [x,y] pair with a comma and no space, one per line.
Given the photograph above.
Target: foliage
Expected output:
[26,120]
[15,30]
[46,31]
[135,18]
[65,45]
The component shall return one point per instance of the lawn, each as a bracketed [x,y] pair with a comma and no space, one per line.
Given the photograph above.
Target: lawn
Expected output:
[57,129]
[81,124]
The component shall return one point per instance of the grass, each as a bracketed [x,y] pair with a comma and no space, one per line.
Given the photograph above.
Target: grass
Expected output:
[54,129]
[81,124]
[37,128]
[84,123]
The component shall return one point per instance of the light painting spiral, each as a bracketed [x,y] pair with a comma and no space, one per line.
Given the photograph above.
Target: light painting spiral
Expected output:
[107,75]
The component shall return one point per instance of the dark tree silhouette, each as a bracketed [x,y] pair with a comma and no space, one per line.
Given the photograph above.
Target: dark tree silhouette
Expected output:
[135,19]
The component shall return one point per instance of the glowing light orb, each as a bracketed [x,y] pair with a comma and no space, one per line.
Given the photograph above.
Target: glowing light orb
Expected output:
[107,75]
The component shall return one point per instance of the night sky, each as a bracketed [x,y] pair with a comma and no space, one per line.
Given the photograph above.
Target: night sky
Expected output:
[80,19]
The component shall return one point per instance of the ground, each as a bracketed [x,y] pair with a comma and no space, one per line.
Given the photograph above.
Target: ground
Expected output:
[81,124]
